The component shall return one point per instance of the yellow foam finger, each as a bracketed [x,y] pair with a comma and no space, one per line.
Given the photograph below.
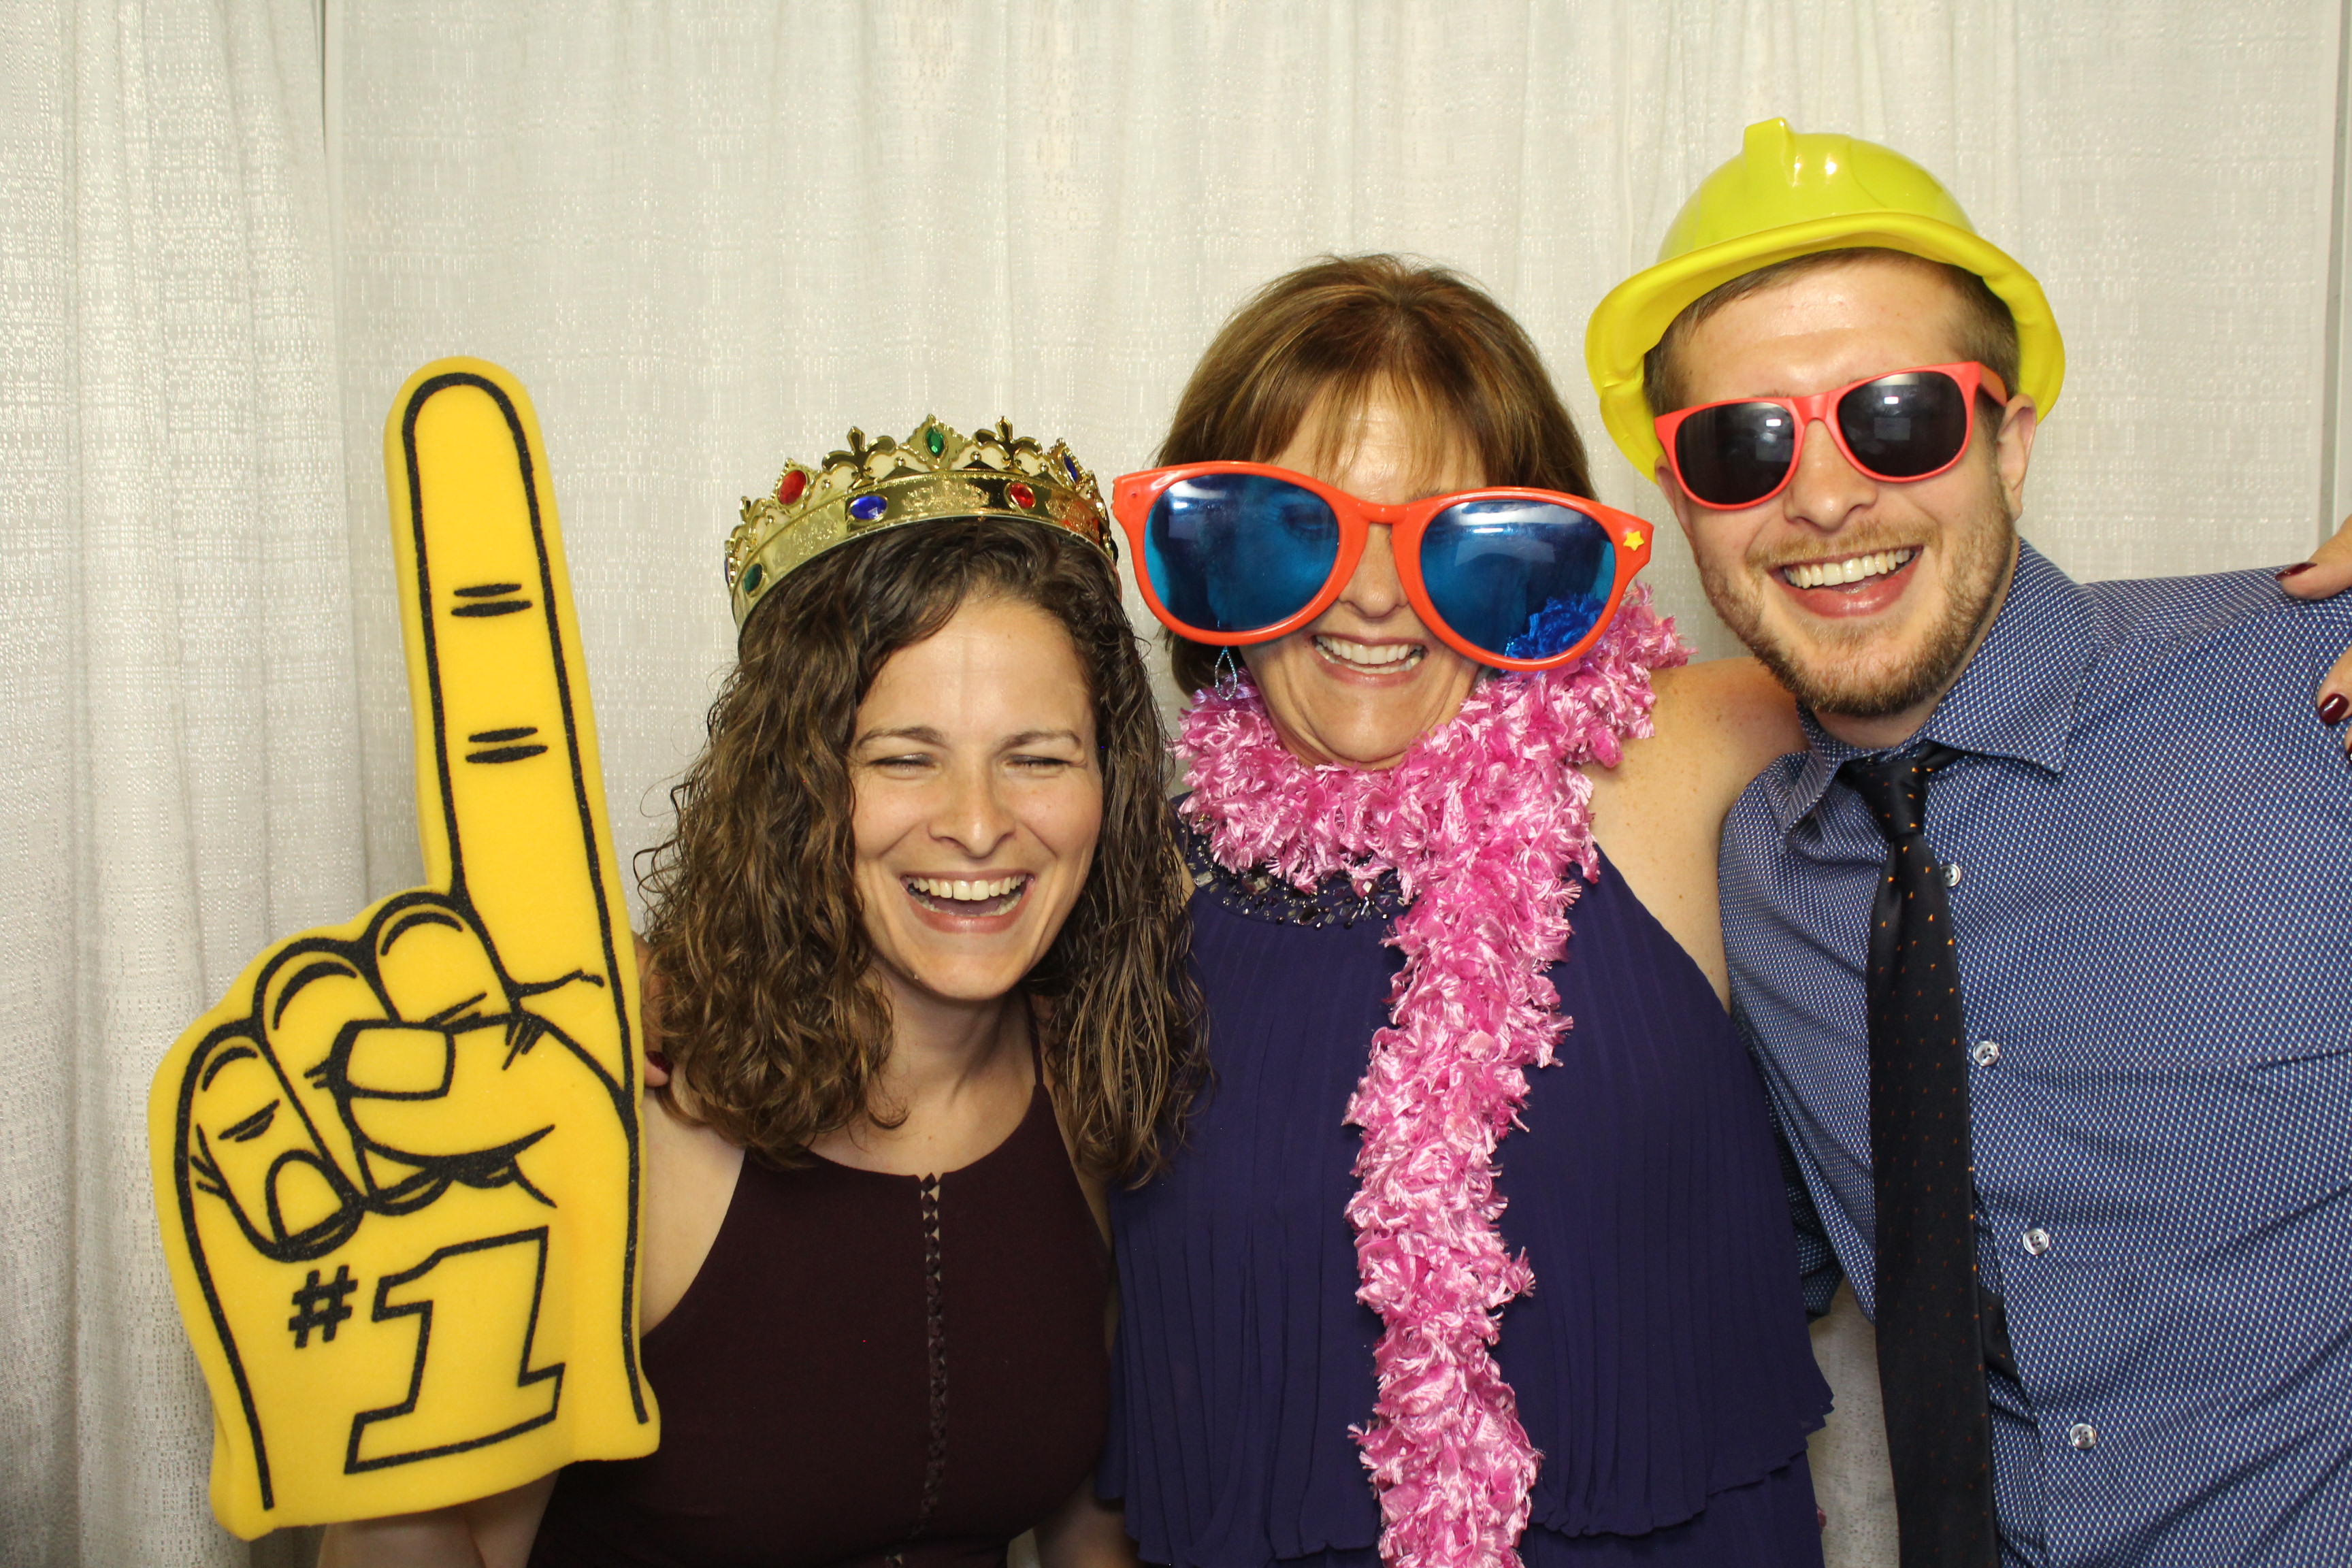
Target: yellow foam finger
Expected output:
[433,964]
[250,1146]
[506,757]
[306,999]
[400,1210]
[479,1093]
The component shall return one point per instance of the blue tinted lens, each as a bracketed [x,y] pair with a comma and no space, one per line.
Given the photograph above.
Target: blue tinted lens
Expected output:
[1238,553]
[1525,579]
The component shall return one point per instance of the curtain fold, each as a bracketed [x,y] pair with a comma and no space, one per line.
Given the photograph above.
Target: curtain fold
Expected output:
[177,673]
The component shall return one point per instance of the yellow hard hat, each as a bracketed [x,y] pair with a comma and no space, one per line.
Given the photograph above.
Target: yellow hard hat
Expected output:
[1788,195]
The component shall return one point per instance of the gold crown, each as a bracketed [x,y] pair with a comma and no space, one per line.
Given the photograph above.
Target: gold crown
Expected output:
[935,472]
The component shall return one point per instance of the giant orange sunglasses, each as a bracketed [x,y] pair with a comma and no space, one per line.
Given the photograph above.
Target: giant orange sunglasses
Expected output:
[1232,554]
[1909,424]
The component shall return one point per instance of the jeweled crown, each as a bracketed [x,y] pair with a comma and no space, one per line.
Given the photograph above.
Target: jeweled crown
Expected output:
[935,472]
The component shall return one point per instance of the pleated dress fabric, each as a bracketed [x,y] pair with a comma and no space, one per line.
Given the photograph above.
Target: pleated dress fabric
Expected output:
[1662,1365]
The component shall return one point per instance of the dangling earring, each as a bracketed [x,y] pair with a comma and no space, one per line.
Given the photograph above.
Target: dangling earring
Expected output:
[1229,675]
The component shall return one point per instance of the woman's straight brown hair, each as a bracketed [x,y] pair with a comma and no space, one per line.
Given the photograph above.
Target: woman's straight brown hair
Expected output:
[772,1012]
[1324,340]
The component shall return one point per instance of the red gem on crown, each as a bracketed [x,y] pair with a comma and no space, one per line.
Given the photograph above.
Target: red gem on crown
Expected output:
[1022,494]
[789,488]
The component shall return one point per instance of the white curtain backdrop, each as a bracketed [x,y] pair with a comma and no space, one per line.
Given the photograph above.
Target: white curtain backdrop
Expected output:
[709,234]
[178,683]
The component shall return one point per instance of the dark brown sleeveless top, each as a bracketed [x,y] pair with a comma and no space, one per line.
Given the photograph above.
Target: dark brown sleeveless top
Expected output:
[868,1369]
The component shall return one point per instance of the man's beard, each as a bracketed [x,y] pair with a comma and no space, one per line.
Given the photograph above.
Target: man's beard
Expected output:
[1842,678]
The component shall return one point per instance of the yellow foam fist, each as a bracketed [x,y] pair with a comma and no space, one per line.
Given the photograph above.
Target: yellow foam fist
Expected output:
[397,1166]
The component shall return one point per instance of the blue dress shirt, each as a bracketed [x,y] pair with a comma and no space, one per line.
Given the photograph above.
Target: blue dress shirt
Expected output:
[2148,845]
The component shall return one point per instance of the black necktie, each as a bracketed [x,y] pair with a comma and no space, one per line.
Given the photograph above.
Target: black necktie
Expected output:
[1931,1349]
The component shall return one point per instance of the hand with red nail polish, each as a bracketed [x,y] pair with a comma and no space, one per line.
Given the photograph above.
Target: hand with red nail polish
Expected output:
[2326,574]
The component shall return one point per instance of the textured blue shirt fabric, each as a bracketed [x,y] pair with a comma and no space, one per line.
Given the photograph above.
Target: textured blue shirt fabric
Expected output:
[1661,1364]
[2147,846]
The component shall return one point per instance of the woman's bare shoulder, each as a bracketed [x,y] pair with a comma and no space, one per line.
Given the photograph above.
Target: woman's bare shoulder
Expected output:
[1716,724]
[1659,815]
[690,1176]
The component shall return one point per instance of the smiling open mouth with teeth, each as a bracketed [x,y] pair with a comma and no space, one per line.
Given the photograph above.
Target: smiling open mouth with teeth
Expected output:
[1380,656]
[1838,574]
[965,896]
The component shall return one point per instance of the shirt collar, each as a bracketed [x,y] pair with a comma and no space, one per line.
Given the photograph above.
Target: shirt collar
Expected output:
[2014,699]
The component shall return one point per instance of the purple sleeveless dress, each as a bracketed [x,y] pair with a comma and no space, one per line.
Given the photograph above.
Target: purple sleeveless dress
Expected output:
[1662,1365]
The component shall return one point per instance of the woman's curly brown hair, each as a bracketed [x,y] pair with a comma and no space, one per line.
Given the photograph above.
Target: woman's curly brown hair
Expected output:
[772,1011]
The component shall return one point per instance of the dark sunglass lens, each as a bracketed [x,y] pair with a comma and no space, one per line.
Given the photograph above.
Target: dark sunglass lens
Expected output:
[1900,426]
[1735,453]
[1238,553]
[1524,579]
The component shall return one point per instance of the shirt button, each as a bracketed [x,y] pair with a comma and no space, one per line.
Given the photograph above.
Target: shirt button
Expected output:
[2082,1434]
[2037,1242]
[1985,1053]
[1952,874]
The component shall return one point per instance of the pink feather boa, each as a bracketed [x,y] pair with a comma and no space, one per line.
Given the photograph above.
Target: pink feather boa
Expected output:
[1480,822]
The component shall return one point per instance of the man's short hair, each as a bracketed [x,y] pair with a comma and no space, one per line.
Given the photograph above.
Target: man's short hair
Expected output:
[1988,331]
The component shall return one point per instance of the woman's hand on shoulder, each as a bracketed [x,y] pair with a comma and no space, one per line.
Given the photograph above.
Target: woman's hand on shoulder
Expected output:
[2328,573]
[495,1531]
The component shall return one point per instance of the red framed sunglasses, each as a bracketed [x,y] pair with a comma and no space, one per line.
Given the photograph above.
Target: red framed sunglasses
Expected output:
[1233,554]
[1903,425]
